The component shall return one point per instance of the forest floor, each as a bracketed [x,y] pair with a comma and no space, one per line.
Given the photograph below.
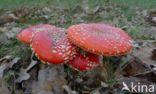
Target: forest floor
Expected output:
[23,73]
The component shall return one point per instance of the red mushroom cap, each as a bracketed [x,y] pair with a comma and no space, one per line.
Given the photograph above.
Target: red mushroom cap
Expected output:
[53,46]
[100,39]
[25,35]
[84,62]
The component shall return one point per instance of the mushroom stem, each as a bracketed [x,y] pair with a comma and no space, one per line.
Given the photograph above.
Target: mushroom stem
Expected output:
[104,68]
[106,71]
[101,60]
[103,71]
[32,54]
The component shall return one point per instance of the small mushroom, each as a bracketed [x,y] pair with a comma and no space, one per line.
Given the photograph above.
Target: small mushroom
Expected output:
[25,35]
[100,39]
[53,46]
[84,62]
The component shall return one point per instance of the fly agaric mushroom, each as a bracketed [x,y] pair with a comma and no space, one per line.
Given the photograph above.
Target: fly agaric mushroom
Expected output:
[25,35]
[84,62]
[100,39]
[53,46]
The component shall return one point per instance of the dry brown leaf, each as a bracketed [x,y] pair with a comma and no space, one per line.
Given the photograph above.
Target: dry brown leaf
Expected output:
[152,17]
[8,17]
[50,79]
[134,68]
[5,58]
[153,57]
[3,29]
[144,53]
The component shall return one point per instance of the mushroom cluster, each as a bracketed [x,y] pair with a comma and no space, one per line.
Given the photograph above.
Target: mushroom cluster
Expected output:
[56,45]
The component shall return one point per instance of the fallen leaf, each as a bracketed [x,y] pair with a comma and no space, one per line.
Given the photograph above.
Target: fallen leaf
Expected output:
[23,75]
[2,68]
[7,64]
[68,90]
[3,39]
[150,76]
[145,53]
[133,68]
[13,32]
[152,17]
[7,57]
[4,90]
[7,17]
[153,57]
[103,84]
[3,29]
[50,78]
[14,61]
